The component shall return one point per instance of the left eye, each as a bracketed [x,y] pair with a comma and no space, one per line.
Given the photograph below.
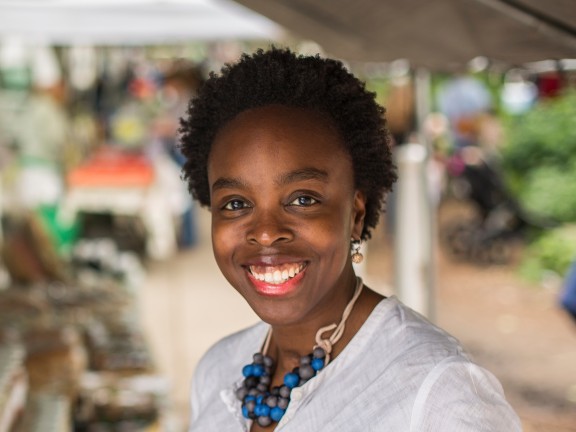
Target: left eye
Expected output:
[304,201]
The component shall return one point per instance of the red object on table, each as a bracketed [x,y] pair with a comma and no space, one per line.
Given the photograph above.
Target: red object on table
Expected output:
[110,167]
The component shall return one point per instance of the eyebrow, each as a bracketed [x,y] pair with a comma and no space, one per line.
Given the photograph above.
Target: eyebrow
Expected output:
[228,183]
[291,177]
[303,174]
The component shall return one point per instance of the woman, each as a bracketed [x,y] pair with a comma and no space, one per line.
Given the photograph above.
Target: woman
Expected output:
[290,154]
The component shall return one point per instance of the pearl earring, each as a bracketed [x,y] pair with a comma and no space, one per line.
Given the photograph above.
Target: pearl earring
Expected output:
[357,256]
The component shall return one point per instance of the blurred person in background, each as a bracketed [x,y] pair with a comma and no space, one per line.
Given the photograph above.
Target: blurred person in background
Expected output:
[42,135]
[179,84]
[291,154]
[568,295]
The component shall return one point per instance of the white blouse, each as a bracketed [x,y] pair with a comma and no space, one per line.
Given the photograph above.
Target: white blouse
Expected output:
[399,373]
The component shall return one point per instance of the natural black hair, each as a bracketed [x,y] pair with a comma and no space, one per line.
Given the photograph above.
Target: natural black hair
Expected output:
[280,77]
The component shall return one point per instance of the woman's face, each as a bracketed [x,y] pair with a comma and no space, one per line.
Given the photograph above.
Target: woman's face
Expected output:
[284,209]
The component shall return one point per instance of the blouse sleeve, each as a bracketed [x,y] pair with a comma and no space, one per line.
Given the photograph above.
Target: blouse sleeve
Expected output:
[458,395]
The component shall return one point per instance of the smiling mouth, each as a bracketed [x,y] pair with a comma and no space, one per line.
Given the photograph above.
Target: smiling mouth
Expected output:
[276,274]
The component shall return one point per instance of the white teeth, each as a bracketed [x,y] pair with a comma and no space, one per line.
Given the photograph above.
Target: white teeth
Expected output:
[276,276]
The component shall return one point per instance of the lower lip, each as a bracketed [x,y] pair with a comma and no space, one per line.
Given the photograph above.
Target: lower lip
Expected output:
[276,290]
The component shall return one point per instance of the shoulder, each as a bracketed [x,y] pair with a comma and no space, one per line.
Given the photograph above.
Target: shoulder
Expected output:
[448,390]
[411,334]
[460,395]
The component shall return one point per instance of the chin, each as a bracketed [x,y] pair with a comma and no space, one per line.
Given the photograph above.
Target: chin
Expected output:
[277,313]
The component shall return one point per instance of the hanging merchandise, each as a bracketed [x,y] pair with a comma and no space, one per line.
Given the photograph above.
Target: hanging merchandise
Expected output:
[518,93]
[82,67]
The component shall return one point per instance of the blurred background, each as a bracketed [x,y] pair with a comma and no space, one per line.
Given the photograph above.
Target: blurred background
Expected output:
[109,293]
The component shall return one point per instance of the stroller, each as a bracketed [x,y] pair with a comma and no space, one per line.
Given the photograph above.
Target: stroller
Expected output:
[487,237]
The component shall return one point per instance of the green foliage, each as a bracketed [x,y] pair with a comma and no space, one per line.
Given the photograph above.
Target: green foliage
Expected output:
[540,158]
[551,191]
[553,251]
[545,135]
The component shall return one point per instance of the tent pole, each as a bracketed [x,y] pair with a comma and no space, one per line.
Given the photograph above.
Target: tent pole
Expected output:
[415,235]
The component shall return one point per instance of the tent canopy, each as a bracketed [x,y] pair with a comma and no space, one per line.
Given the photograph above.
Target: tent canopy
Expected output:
[437,34]
[139,22]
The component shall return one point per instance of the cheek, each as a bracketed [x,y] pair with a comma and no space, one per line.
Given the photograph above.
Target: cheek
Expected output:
[223,243]
[331,238]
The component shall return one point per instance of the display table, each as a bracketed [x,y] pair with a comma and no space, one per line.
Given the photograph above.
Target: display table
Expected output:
[13,385]
[122,184]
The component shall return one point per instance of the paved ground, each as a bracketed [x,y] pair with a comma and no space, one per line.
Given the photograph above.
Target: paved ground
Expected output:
[513,328]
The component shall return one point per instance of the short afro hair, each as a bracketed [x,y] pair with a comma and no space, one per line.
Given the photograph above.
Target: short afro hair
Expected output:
[278,76]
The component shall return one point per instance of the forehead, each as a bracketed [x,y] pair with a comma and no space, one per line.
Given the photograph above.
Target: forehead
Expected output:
[279,130]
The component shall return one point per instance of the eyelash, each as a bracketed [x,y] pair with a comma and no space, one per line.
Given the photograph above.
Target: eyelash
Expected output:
[296,202]
[307,197]
[228,205]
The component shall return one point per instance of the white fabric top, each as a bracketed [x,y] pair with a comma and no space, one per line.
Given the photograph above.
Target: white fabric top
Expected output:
[399,373]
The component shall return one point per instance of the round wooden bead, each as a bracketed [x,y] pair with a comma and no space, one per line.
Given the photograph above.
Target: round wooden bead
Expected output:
[264,421]
[272,401]
[247,370]
[251,382]
[285,392]
[241,393]
[317,364]
[276,413]
[306,372]
[257,370]
[319,353]
[245,412]
[283,403]
[291,380]
[250,405]
[262,410]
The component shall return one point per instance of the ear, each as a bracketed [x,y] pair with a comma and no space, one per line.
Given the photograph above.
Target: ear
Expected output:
[359,212]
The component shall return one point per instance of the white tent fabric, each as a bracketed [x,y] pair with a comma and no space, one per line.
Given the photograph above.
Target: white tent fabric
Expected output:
[133,22]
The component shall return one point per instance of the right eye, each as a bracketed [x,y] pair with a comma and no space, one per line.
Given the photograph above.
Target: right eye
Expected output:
[235,204]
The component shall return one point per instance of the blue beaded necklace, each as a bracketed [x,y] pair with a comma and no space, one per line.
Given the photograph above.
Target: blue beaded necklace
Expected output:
[265,405]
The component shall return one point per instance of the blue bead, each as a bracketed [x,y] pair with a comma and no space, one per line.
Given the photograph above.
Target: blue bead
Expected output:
[247,370]
[249,398]
[317,364]
[260,400]
[245,412]
[276,413]
[291,380]
[257,370]
[262,410]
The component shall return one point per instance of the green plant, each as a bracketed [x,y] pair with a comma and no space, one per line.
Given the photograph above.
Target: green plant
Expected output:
[544,136]
[553,251]
[540,158]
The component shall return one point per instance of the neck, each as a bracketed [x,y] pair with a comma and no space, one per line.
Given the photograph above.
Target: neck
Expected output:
[290,342]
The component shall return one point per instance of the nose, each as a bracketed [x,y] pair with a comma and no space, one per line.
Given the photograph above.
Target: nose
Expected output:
[268,229]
